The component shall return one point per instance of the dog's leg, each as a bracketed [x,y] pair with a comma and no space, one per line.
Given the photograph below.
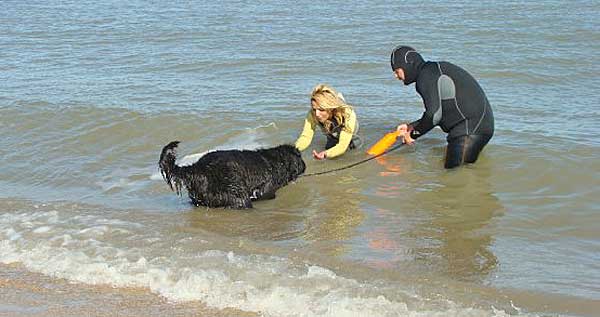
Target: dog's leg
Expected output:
[263,193]
[196,203]
[267,195]
[243,203]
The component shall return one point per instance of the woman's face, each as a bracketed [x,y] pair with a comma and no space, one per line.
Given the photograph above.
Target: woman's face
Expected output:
[321,114]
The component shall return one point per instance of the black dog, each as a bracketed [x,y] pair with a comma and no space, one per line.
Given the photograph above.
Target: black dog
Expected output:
[233,178]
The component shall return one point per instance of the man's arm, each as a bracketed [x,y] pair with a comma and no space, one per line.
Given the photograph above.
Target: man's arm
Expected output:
[433,109]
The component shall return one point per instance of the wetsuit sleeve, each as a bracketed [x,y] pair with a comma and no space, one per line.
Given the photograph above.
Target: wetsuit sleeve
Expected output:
[307,133]
[345,138]
[433,108]
[413,124]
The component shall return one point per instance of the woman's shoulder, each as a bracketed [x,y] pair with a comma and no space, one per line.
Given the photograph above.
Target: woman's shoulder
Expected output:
[351,119]
[351,113]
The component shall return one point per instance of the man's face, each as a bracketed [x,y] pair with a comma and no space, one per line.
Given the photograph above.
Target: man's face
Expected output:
[399,73]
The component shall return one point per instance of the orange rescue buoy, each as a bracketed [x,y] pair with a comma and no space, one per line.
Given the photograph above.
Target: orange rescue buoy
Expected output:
[384,143]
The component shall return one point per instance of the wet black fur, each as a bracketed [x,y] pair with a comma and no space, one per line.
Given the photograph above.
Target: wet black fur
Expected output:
[232,178]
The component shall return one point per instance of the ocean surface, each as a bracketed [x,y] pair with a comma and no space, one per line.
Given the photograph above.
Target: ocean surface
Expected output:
[90,92]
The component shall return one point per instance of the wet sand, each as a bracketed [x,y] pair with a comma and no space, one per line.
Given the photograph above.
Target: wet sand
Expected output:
[23,293]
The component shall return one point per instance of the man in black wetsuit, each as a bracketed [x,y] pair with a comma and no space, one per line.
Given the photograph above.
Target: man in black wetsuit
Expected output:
[453,100]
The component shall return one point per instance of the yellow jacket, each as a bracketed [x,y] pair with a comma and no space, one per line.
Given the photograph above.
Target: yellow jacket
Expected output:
[310,123]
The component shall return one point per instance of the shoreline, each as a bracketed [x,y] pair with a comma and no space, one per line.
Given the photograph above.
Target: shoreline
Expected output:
[26,293]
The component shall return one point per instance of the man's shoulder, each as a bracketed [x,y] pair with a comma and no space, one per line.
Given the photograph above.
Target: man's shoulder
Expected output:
[429,74]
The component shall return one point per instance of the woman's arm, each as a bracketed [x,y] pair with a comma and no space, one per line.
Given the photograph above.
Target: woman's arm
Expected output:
[307,133]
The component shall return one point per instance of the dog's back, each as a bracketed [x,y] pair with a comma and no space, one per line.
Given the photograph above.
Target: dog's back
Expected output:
[233,178]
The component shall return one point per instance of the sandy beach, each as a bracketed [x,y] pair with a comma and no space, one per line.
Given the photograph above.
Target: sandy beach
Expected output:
[23,293]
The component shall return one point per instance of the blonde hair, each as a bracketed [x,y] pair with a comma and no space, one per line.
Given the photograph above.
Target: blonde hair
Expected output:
[332,101]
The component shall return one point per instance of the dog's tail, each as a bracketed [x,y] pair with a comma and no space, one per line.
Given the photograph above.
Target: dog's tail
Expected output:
[168,168]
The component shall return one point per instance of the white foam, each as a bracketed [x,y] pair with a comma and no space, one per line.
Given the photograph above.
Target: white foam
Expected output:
[191,159]
[315,271]
[184,161]
[156,176]
[264,126]
[269,285]
[94,231]
[42,229]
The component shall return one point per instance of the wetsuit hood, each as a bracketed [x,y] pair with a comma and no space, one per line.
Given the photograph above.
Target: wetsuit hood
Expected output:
[409,60]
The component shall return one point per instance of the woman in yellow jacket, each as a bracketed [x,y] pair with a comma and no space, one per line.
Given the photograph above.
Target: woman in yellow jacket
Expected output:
[335,118]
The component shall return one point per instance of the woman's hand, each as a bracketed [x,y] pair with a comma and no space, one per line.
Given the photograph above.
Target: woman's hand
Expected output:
[319,155]
[404,132]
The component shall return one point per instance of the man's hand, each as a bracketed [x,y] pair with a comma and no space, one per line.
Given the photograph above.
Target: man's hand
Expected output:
[319,155]
[404,133]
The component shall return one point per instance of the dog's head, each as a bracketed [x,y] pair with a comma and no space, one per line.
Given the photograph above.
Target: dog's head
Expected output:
[293,159]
